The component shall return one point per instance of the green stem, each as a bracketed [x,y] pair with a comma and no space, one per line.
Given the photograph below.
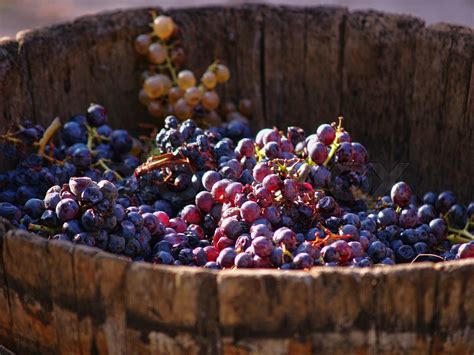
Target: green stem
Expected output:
[103,165]
[39,228]
[91,134]
[171,69]
[48,135]
[335,144]
[461,232]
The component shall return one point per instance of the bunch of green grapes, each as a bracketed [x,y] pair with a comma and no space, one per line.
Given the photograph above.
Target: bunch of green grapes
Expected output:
[168,88]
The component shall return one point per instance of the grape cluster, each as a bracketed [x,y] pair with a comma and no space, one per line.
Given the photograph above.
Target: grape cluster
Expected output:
[168,88]
[219,199]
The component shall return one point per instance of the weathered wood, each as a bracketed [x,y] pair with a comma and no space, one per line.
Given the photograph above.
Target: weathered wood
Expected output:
[344,317]
[453,324]
[6,337]
[27,267]
[241,30]
[406,92]
[111,295]
[63,295]
[378,65]
[386,73]
[259,303]
[170,311]
[67,62]
[301,69]
[441,118]
[88,307]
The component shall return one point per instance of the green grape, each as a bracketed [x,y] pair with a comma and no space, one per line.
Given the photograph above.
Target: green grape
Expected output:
[143,97]
[163,26]
[174,94]
[193,96]
[156,109]
[182,110]
[157,53]
[209,80]
[222,73]
[142,42]
[186,79]
[154,87]
[210,100]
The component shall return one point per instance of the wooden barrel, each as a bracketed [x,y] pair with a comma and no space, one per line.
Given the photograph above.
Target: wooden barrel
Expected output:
[406,92]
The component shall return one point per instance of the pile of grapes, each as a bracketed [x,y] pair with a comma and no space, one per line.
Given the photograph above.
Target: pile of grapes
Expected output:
[202,191]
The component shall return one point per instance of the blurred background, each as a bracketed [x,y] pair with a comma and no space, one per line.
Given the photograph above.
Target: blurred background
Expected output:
[16,15]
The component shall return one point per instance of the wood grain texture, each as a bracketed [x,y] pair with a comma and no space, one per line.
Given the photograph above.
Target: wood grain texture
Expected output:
[401,86]
[406,91]
[441,118]
[164,311]
[6,337]
[89,60]
[27,267]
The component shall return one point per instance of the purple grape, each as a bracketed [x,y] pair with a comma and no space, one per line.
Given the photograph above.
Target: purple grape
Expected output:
[67,209]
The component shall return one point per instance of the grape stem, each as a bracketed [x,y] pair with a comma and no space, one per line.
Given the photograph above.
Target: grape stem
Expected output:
[436,256]
[102,163]
[457,239]
[335,144]
[39,228]
[171,69]
[462,232]
[47,136]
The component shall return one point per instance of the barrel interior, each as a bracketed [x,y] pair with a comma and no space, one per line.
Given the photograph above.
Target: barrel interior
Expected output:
[404,89]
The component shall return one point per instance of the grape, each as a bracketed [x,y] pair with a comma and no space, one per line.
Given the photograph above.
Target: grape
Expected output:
[155,109]
[426,213]
[262,246]
[192,96]
[444,201]
[34,207]
[67,209]
[142,42]
[154,87]
[438,228]
[430,198]
[250,211]
[303,261]
[178,57]
[210,100]
[318,152]
[91,220]
[209,179]
[175,93]
[377,251]
[271,182]
[285,236]
[218,190]
[226,257]
[157,53]
[243,261]
[182,109]
[91,195]
[10,211]
[401,194]
[163,26]
[466,251]
[96,115]
[326,134]
[191,214]
[405,254]
[186,79]
[72,132]
[121,141]
[222,73]
[209,80]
